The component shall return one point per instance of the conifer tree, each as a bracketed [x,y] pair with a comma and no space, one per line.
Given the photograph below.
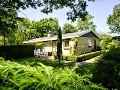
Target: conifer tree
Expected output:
[59,45]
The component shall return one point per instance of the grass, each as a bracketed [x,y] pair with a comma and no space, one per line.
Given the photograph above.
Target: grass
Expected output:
[85,69]
[34,62]
[81,70]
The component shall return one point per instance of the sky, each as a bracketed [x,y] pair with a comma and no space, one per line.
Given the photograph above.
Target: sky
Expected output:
[100,9]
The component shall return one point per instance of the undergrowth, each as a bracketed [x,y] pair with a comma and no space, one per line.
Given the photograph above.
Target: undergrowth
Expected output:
[18,76]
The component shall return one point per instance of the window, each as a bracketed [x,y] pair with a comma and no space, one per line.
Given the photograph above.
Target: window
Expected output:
[89,42]
[66,43]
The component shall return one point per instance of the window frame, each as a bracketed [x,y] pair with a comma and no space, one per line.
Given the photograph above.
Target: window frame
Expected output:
[66,44]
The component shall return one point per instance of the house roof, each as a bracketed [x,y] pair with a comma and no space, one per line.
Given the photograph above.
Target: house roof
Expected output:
[64,36]
[115,34]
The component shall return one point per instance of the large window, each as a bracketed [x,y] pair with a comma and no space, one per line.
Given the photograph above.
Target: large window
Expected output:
[90,42]
[66,43]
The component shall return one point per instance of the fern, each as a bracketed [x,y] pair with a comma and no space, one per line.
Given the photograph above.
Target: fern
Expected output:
[42,77]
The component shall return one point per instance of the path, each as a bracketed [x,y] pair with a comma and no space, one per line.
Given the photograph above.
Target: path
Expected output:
[83,62]
[89,60]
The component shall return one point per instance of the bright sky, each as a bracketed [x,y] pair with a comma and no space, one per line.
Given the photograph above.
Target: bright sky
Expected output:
[100,9]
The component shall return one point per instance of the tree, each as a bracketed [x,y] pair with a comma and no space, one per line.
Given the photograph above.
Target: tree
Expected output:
[59,45]
[114,19]
[8,22]
[78,8]
[86,24]
[69,28]
[105,39]
[45,25]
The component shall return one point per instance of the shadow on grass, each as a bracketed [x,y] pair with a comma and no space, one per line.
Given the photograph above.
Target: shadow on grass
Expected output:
[34,62]
[86,68]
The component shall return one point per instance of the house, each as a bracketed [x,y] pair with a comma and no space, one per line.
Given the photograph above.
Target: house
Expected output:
[84,41]
[115,36]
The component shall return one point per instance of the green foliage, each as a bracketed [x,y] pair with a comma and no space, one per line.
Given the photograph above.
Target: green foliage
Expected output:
[106,73]
[39,46]
[112,54]
[8,22]
[70,58]
[59,45]
[87,56]
[114,19]
[104,41]
[98,48]
[45,25]
[69,28]
[22,77]
[16,51]
[114,43]
[107,69]
[2,59]
[86,24]
[86,69]
[82,57]
[77,8]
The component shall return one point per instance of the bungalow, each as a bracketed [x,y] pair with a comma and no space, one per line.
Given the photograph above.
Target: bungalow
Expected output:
[81,41]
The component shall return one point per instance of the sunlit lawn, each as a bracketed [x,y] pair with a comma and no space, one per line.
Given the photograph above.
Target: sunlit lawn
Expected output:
[84,69]
[34,61]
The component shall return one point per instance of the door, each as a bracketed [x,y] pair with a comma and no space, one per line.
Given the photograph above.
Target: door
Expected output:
[95,44]
[54,48]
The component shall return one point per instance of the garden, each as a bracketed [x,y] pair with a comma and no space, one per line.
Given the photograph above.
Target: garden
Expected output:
[20,70]
[43,74]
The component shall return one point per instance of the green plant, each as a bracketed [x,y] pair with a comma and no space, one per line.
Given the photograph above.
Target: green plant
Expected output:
[114,43]
[98,48]
[106,72]
[17,76]
[112,54]
[16,51]
[59,45]
[88,56]
[2,59]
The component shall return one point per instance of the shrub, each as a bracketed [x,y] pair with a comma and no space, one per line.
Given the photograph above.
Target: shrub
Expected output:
[87,56]
[98,48]
[107,73]
[22,77]
[2,59]
[65,58]
[16,51]
[112,54]
[82,57]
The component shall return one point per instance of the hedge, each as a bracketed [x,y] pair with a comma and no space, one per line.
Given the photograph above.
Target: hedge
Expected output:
[88,56]
[16,51]
[82,57]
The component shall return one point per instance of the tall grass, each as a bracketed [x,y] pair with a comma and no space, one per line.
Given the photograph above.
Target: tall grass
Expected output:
[25,77]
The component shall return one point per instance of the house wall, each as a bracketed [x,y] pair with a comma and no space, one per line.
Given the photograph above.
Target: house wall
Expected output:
[83,46]
[47,46]
[68,50]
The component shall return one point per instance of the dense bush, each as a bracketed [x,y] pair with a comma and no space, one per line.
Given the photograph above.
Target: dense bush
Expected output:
[16,51]
[82,57]
[14,76]
[112,54]
[107,73]
[87,56]
[107,70]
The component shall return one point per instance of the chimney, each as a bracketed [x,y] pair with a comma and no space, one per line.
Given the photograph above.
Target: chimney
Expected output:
[50,34]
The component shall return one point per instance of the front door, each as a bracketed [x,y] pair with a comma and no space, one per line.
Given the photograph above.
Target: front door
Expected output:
[54,48]
[95,44]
